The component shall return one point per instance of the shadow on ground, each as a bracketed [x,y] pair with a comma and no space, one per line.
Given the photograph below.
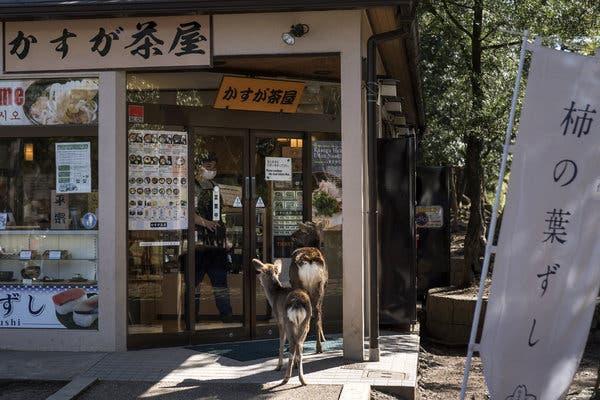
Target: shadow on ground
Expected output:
[190,389]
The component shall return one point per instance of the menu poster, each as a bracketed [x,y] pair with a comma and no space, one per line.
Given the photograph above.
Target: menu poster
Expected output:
[49,102]
[73,168]
[158,183]
[287,211]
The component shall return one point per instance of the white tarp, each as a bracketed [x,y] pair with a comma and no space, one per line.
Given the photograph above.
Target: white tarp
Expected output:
[547,270]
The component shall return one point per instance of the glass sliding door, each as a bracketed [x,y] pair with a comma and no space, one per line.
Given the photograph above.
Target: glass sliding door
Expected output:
[278,207]
[158,223]
[220,220]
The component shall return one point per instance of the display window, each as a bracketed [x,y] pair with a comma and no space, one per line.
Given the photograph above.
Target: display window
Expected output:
[49,204]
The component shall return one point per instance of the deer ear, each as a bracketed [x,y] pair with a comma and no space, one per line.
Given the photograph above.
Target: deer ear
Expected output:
[258,264]
[278,264]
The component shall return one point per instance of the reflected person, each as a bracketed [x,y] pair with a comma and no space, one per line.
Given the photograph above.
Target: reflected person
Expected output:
[212,253]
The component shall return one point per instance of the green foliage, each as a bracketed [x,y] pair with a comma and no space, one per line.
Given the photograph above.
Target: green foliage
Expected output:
[325,204]
[446,28]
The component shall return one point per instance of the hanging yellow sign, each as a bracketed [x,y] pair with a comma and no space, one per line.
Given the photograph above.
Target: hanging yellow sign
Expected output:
[252,94]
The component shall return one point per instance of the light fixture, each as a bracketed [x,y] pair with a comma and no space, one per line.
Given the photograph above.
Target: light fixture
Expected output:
[296,31]
[296,143]
[28,152]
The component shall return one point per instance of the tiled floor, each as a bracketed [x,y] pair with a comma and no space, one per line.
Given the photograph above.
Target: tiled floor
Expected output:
[398,366]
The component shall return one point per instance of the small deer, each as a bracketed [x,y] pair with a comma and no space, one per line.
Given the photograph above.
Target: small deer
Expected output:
[292,311]
[308,271]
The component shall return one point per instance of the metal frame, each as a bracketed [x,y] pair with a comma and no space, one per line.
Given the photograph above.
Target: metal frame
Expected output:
[492,228]
[237,333]
[165,114]
[267,330]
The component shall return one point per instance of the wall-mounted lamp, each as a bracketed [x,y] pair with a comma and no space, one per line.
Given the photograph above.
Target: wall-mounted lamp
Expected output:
[28,152]
[296,143]
[295,31]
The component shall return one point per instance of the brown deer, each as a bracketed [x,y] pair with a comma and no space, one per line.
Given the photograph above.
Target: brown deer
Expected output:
[292,311]
[308,271]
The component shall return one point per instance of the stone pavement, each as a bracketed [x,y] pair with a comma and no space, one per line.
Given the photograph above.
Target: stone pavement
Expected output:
[396,370]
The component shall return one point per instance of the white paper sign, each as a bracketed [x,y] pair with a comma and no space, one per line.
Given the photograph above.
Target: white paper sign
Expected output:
[278,169]
[546,272]
[73,168]
[216,203]
[3,220]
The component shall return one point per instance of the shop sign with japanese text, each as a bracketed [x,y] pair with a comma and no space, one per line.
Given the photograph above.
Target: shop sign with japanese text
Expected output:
[546,277]
[251,94]
[49,306]
[114,43]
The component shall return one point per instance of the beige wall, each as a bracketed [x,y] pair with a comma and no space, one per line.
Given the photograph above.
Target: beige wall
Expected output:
[330,32]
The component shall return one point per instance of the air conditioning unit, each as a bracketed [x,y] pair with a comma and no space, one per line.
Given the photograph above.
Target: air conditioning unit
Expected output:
[393,107]
[388,89]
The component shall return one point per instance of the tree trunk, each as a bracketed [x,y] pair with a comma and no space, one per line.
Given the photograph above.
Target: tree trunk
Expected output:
[454,199]
[474,240]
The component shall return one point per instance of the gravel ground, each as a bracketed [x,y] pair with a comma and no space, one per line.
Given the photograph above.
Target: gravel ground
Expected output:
[28,390]
[441,372]
[194,390]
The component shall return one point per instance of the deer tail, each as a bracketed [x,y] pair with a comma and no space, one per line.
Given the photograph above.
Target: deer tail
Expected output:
[296,314]
[298,308]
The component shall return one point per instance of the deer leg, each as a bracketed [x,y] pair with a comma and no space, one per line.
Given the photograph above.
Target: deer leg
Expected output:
[318,329]
[281,345]
[320,324]
[300,368]
[288,371]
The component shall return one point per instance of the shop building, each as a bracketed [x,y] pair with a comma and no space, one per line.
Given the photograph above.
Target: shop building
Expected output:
[149,151]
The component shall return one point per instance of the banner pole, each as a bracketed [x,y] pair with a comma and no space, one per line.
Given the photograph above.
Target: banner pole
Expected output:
[492,227]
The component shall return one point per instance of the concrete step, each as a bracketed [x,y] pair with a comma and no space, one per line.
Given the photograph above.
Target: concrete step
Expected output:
[73,388]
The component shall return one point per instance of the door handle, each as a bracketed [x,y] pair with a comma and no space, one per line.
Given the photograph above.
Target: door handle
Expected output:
[253,188]
[247,187]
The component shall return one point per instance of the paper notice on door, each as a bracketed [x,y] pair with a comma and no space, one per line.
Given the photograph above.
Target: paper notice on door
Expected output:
[3,220]
[278,169]
[229,194]
[73,168]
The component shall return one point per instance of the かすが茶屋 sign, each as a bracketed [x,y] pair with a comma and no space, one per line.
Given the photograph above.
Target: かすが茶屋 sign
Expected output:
[116,43]
[251,94]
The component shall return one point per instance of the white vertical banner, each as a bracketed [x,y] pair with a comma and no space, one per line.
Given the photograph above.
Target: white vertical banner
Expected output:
[547,267]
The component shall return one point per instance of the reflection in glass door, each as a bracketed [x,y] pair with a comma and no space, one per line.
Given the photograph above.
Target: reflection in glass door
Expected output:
[219,176]
[157,222]
[278,207]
